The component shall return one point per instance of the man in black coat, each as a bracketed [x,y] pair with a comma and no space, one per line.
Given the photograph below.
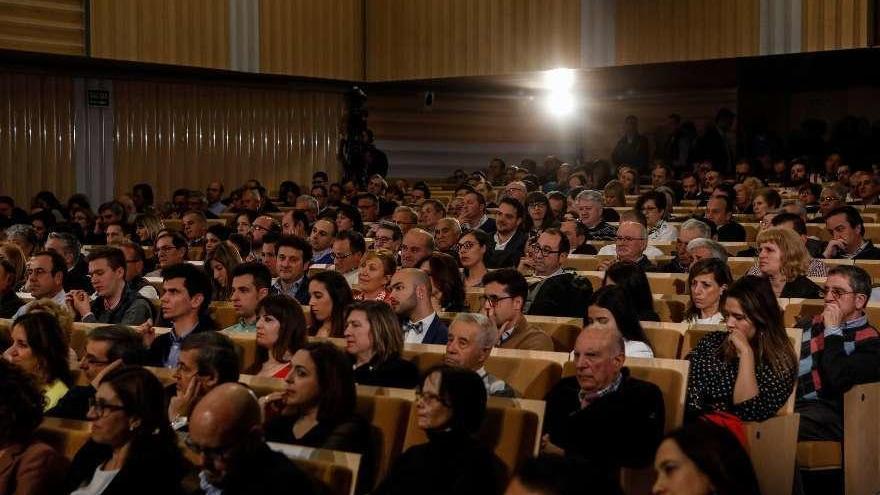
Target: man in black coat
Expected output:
[602,405]
[557,293]
[509,240]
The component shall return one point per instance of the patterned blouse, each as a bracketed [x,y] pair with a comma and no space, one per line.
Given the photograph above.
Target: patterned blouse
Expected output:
[711,382]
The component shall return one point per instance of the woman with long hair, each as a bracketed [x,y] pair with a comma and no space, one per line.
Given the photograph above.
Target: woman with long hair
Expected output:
[281,331]
[708,280]
[632,279]
[615,195]
[147,227]
[348,218]
[540,215]
[220,266]
[40,347]
[374,342]
[609,308]
[447,287]
[472,248]
[750,369]
[329,296]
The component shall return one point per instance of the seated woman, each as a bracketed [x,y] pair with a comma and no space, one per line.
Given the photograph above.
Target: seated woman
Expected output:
[348,218]
[147,227]
[653,204]
[217,234]
[329,296]
[244,221]
[447,287]
[281,331]
[12,253]
[317,407]
[632,279]
[540,215]
[704,459]
[373,341]
[765,200]
[132,448]
[708,280]
[451,406]
[615,196]
[29,466]
[39,346]
[472,256]
[377,268]
[609,308]
[9,300]
[750,369]
[220,266]
[783,260]
[629,179]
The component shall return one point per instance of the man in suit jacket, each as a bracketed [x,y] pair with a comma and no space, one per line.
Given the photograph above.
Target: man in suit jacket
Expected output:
[509,239]
[411,299]
[292,259]
[558,293]
[473,211]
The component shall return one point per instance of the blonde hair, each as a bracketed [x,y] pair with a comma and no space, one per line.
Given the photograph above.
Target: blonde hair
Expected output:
[795,258]
[615,188]
[752,184]
[386,257]
[61,313]
[11,252]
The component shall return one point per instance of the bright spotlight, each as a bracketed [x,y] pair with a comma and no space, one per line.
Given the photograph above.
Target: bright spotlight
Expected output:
[559,79]
[560,103]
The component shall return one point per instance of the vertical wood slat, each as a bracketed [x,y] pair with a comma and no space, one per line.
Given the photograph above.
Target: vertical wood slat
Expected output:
[48,26]
[835,24]
[193,32]
[414,39]
[185,134]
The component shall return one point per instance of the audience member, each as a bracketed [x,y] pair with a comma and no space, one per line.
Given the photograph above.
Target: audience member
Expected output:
[269,252]
[406,218]
[447,286]
[765,200]
[170,250]
[207,359]
[708,280]
[250,284]
[374,274]
[847,231]
[115,302]
[473,213]
[45,279]
[261,227]
[720,212]
[293,259]
[589,209]
[784,261]
[540,216]
[10,303]
[39,347]
[509,240]
[321,240]
[608,310]
[24,237]
[220,267]
[703,249]
[281,331]
[653,205]
[417,245]
[348,250]
[631,246]
[67,245]
[387,236]
[329,296]
[634,282]
[557,293]
[471,339]
[374,344]
[690,229]
[430,214]
[472,249]
[504,294]
[411,299]
[134,269]
[348,218]
[447,235]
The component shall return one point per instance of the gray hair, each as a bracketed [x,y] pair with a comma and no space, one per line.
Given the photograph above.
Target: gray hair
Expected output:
[694,224]
[642,229]
[488,331]
[714,247]
[591,195]
[22,231]
[453,222]
[313,203]
[71,243]
[801,211]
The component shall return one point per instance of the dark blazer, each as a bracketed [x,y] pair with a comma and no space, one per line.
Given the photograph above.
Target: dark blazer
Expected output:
[158,351]
[77,278]
[731,232]
[562,295]
[9,304]
[488,226]
[32,469]
[157,469]
[801,287]
[394,372]
[510,255]
[870,252]
[437,333]
[74,404]
[302,293]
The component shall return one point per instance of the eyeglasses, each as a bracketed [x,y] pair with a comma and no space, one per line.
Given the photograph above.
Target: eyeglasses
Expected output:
[537,205]
[628,239]
[429,397]
[835,292]
[209,452]
[536,249]
[828,199]
[92,361]
[493,300]
[166,249]
[465,246]
[340,256]
[259,227]
[101,407]
[382,240]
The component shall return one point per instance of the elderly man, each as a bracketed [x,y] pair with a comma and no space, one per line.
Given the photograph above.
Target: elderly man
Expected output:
[107,347]
[292,261]
[589,208]
[832,196]
[471,339]
[225,433]
[509,240]
[630,245]
[405,217]
[170,250]
[195,226]
[867,188]
[473,212]
[250,285]
[368,206]
[45,279]
[214,196]
[207,360]
[348,249]
[417,245]
[701,249]
[558,293]
[446,236]
[321,240]
[691,229]
[309,205]
[839,349]
[504,294]
[68,246]
[516,190]
[603,405]
[576,233]
[430,214]
[720,212]
[115,302]
[410,297]
[387,236]
[847,230]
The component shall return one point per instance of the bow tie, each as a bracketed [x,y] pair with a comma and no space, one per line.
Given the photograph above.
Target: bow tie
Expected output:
[414,327]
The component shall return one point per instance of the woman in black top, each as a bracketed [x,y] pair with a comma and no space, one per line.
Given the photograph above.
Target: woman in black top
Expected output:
[316,408]
[374,341]
[450,406]
[632,279]
[131,441]
[447,286]
[783,259]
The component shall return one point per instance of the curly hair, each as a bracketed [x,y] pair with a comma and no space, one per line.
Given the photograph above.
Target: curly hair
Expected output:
[795,258]
[21,404]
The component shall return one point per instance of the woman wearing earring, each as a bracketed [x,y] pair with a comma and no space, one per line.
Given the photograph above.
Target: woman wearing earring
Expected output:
[708,280]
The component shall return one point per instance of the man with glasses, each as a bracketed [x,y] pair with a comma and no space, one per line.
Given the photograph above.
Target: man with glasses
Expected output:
[226,435]
[630,245]
[261,226]
[321,239]
[832,196]
[417,245]
[293,260]
[45,279]
[170,250]
[589,209]
[557,293]
[107,347]
[504,294]
[516,190]
[839,349]
[471,339]
[115,302]
[387,236]
[348,249]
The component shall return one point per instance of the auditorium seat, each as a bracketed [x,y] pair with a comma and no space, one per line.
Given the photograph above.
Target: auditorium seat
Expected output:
[665,339]
[66,436]
[772,446]
[223,313]
[740,265]
[670,308]
[862,438]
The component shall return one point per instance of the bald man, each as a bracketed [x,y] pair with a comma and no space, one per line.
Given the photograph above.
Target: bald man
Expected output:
[411,300]
[225,433]
[417,245]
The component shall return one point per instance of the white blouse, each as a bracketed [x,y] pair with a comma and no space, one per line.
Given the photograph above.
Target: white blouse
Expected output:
[100,481]
[663,232]
[715,319]
[636,348]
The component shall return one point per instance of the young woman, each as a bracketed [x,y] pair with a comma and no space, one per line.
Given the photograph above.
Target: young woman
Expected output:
[243,222]
[615,195]
[281,331]
[348,218]
[708,280]
[329,296]
[472,256]
[610,308]
[632,279]
[653,205]
[750,369]
[373,341]
[783,259]
[217,234]
[447,287]
[374,275]
[39,346]
[540,215]
[147,227]
[220,266]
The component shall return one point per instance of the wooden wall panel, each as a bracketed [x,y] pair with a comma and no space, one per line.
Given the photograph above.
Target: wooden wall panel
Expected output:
[649,31]
[185,134]
[48,26]
[414,39]
[191,32]
[835,24]
[309,38]
[36,136]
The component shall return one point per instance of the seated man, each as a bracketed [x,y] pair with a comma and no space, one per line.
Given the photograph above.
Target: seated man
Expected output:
[170,250]
[839,349]
[116,302]
[430,213]
[107,347]
[720,212]
[847,231]
[387,235]
[417,245]
[630,245]
[701,249]
[406,218]
[410,297]
[558,293]
[250,285]
[225,433]
[576,233]
[446,236]
[589,209]
[45,279]
[473,212]
[471,339]
[293,263]
[504,293]
[269,252]
[68,246]
[207,359]
[691,229]
[348,249]
[134,269]
[603,405]
[184,303]
[321,239]
[509,240]
[195,226]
